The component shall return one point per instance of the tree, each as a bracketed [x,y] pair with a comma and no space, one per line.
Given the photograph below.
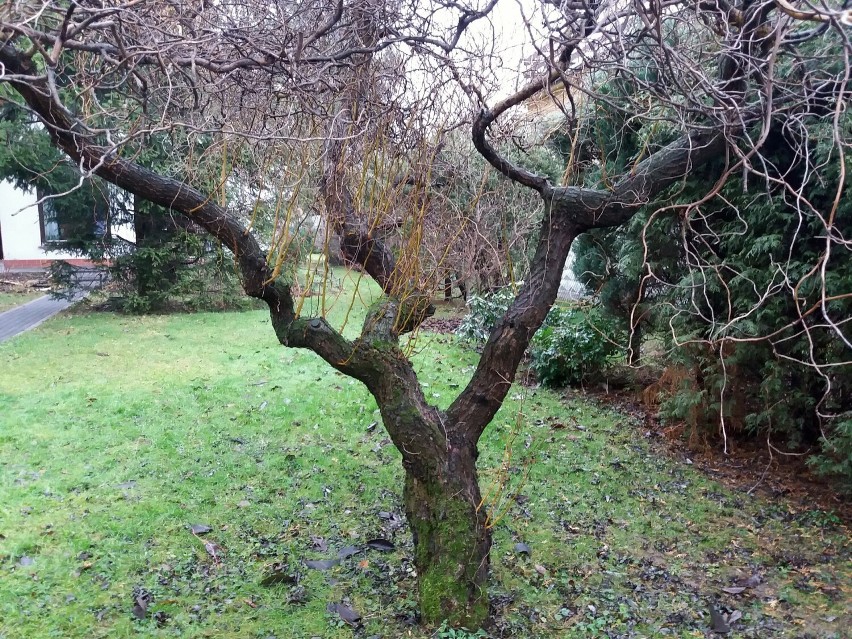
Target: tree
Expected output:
[351,94]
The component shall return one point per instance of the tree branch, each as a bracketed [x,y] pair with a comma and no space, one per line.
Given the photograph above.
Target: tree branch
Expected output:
[486,117]
[568,211]
[256,275]
[594,208]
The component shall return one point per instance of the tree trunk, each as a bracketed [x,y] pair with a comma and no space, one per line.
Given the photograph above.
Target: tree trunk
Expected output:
[441,494]
[451,541]
[462,284]
[145,228]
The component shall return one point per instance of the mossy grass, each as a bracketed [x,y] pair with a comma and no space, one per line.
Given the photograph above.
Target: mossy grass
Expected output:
[117,433]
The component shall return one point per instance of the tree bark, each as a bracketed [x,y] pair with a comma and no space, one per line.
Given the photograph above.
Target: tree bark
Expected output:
[441,494]
[451,539]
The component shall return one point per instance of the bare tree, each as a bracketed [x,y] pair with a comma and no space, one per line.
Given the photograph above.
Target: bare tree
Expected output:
[347,94]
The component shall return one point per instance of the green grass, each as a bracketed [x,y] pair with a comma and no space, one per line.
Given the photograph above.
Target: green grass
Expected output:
[117,433]
[11,300]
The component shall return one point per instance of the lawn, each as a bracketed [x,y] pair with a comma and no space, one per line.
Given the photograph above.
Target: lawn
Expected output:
[117,434]
[12,299]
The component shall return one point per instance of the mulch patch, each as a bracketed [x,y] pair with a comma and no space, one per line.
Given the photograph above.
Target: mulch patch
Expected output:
[441,324]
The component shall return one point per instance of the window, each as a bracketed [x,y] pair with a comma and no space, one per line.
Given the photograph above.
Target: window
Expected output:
[72,219]
[48,219]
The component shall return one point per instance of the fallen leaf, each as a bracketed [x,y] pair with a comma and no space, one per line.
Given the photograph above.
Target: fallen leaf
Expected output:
[322,564]
[382,545]
[344,612]
[733,590]
[540,569]
[718,621]
[200,529]
[141,600]
[348,551]
[736,615]
[752,582]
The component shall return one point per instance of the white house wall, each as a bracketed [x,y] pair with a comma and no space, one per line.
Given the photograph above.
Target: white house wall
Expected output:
[20,228]
[21,233]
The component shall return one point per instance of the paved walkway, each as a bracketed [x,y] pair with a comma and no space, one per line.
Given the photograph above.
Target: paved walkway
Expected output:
[26,316]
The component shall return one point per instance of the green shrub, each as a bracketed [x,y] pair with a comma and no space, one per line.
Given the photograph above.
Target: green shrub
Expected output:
[574,345]
[183,273]
[836,457]
[483,313]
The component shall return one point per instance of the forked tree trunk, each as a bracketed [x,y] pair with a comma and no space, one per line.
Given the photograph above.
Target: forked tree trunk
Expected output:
[451,540]
[441,493]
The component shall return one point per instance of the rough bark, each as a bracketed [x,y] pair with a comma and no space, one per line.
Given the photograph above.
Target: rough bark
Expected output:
[451,539]
[441,494]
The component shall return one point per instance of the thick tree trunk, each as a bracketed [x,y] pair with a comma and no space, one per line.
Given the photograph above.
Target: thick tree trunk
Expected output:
[441,494]
[451,540]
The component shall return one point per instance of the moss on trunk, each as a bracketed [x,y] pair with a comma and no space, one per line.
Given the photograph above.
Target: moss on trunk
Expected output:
[451,542]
